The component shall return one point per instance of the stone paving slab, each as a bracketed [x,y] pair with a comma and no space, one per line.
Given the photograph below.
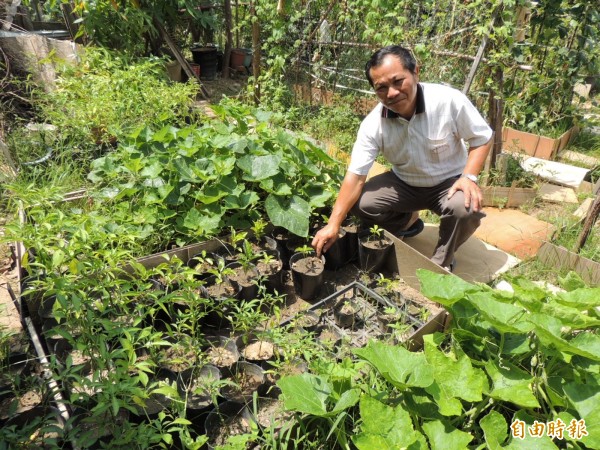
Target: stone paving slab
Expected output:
[514,232]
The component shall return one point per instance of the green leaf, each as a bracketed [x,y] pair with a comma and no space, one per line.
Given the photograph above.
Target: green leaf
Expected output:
[494,428]
[348,399]
[242,201]
[549,331]
[185,171]
[568,316]
[383,426]
[580,298]
[585,398]
[454,378]
[203,222]
[181,421]
[258,168]
[305,393]
[397,365]
[505,317]
[511,384]
[291,213]
[443,436]
[444,289]
[153,170]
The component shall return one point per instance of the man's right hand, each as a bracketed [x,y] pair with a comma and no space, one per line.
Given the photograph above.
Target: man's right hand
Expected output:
[325,238]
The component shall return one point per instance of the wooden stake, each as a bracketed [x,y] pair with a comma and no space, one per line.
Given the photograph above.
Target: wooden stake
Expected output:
[590,220]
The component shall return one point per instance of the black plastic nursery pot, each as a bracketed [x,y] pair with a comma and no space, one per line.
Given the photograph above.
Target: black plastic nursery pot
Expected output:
[247,380]
[41,426]
[271,273]
[156,403]
[307,275]
[227,419]
[207,58]
[257,350]
[197,385]
[373,252]
[246,277]
[351,239]
[337,256]
[281,237]
[222,352]
[203,262]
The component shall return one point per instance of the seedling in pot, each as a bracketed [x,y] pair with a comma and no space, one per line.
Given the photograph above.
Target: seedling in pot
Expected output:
[377,234]
[312,262]
[258,228]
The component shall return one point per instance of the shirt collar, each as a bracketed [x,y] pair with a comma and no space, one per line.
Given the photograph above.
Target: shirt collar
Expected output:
[389,114]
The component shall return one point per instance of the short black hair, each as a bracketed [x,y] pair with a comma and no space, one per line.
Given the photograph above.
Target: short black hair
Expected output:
[403,54]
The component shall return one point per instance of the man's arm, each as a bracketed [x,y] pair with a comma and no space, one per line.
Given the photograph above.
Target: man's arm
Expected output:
[475,161]
[350,191]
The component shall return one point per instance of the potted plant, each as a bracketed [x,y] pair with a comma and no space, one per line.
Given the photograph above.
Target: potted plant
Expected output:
[258,350]
[244,272]
[245,380]
[307,272]
[199,385]
[226,420]
[373,249]
[270,269]
[222,352]
[346,313]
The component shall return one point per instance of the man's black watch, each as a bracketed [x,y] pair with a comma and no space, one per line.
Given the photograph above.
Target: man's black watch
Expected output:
[470,176]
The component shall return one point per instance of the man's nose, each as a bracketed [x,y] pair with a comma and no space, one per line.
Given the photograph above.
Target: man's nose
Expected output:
[392,92]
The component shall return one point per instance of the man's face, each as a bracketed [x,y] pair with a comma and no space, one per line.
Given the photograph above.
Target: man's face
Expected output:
[395,86]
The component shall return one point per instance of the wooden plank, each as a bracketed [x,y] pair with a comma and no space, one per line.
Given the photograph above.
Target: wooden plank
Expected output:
[511,197]
[563,259]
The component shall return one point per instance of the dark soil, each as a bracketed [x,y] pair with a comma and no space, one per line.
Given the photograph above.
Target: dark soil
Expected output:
[270,268]
[244,277]
[178,358]
[309,265]
[221,290]
[376,244]
[245,384]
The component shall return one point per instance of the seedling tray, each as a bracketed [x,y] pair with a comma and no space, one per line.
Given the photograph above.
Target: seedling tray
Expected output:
[370,319]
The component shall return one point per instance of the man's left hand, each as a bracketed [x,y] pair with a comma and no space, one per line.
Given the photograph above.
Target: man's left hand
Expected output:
[472,192]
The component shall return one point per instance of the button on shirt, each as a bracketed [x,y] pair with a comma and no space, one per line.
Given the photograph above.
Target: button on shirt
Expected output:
[430,147]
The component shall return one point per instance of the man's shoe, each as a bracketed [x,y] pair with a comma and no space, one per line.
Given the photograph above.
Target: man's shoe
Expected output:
[413,230]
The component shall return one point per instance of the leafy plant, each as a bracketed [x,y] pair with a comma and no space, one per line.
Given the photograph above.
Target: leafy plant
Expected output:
[198,180]
[107,95]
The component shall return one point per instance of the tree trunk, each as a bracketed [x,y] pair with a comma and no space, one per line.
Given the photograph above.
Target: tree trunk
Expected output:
[256,53]
[228,37]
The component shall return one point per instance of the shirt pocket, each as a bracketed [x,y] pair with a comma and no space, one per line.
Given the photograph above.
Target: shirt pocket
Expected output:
[439,149]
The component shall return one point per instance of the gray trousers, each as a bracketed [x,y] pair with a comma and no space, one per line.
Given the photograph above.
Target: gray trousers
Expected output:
[389,202]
